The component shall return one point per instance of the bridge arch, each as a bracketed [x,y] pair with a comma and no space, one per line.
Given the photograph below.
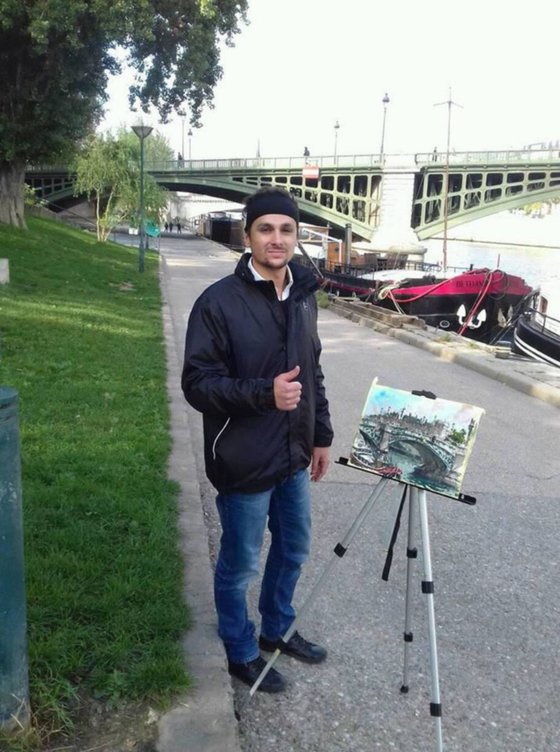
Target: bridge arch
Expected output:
[337,198]
[438,465]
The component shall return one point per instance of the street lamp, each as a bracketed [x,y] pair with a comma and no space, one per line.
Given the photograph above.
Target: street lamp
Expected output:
[336,127]
[142,131]
[190,137]
[385,101]
[449,102]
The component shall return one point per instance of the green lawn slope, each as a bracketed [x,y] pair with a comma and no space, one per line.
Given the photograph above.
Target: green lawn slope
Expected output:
[81,341]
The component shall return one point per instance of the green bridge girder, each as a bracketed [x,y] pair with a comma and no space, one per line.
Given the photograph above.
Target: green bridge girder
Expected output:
[349,189]
[346,191]
[52,183]
[478,189]
[342,194]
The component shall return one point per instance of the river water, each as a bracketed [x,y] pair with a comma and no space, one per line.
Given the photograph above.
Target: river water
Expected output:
[536,265]
[517,244]
[533,251]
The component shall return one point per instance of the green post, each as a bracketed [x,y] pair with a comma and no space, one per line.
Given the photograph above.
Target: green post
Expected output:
[14,688]
[142,251]
[142,131]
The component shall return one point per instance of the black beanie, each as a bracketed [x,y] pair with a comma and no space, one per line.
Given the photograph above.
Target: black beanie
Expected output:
[270,203]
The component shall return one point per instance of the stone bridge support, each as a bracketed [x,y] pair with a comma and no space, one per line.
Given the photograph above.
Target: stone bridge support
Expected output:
[394,231]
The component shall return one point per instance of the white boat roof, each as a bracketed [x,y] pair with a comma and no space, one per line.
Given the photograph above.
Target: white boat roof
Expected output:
[365,246]
[551,291]
[312,249]
[398,275]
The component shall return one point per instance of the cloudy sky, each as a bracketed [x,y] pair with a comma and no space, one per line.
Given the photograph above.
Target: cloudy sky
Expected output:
[302,65]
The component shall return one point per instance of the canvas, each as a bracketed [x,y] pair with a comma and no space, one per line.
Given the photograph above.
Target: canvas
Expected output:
[415,439]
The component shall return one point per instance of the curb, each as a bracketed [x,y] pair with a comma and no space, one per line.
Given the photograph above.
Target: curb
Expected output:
[203,719]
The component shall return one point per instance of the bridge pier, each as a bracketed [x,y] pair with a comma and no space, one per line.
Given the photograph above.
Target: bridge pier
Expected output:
[394,231]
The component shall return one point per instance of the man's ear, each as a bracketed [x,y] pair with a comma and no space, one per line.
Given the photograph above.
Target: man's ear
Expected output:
[247,241]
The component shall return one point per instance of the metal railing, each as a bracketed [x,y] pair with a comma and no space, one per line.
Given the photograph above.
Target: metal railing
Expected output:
[267,163]
[505,156]
[499,157]
[543,322]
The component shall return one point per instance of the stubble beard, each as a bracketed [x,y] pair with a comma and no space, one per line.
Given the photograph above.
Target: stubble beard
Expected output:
[279,263]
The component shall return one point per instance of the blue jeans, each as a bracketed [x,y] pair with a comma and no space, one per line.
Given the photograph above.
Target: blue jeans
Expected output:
[243,517]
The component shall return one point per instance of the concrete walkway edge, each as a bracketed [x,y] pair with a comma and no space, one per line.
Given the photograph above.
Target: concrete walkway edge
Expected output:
[478,359]
[203,720]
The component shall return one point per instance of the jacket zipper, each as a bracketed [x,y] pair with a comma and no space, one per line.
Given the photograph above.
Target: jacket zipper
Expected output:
[222,429]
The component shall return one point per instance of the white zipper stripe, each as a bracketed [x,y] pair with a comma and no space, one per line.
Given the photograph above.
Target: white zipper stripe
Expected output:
[217,437]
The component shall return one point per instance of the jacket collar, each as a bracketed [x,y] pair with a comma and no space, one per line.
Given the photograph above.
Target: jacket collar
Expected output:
[303,280]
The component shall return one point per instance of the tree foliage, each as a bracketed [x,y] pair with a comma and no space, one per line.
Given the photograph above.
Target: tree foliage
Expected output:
[458,435]
[108,171]
[156,146]
[56,55]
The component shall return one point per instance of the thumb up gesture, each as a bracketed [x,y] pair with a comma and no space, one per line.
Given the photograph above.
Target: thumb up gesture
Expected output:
[287,391]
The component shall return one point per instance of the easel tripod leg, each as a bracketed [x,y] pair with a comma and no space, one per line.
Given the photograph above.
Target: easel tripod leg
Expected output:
[411,556]
[428,590]
[339,551]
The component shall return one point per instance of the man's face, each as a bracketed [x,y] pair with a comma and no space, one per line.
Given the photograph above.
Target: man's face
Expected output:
[272,239]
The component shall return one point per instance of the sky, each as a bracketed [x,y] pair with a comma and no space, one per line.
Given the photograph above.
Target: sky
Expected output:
[382,398]
[300,66]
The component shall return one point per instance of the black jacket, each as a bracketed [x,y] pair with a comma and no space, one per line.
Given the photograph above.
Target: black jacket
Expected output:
[239,338]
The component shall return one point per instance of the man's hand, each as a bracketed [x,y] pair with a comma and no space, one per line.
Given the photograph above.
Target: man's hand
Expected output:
[320,462]
[287,392]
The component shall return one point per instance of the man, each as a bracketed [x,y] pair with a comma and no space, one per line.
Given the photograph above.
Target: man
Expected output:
[252,369]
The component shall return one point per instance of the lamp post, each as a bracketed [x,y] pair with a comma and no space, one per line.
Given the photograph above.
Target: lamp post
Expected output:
[189,134]
[336,127]
[142,131]
[385,102]
[449,102]
[182,135]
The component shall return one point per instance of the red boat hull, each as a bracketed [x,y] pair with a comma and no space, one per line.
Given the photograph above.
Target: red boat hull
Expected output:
[477,303]
[470,283]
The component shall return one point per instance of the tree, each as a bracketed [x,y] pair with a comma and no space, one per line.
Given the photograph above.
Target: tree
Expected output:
[458,435]
[107,171]
[156,147]
[56,55]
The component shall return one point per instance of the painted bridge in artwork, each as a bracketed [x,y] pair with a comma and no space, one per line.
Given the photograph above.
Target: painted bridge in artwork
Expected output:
[372,194]
[388,436]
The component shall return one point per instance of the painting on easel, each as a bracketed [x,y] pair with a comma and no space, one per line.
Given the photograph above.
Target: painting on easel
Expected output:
[415,439]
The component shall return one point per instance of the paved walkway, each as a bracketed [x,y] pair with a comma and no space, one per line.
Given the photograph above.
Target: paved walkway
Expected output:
[496,564]
[523,374]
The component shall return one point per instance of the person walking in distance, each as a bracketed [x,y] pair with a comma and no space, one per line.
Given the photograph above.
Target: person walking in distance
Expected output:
[252,368]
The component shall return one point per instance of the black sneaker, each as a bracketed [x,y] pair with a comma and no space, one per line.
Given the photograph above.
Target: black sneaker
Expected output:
[248,673]
[297,647]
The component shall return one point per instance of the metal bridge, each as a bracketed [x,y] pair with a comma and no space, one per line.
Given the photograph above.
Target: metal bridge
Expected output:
[386,436]
[393,195]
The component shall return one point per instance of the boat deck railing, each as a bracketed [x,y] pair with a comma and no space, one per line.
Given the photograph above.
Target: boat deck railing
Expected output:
[543,322]
[380,264]
[362,275]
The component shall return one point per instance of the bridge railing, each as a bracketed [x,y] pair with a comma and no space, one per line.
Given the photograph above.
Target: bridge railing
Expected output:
[342,161]
[42,169]
[506,156]
[267,163]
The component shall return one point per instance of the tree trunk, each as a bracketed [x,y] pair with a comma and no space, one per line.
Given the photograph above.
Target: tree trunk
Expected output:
[12,179]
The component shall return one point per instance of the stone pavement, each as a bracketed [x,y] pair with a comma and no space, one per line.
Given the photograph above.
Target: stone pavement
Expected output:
[204,720]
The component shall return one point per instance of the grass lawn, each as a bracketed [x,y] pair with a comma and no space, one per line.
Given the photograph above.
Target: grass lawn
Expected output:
[81,341]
